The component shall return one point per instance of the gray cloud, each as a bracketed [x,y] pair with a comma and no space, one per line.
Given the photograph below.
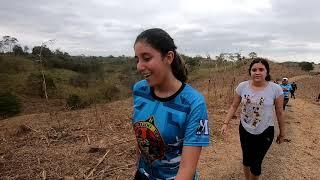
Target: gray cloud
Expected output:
[286,29]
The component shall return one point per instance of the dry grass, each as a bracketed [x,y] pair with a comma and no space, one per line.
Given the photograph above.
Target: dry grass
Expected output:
[69,144]
[73,143]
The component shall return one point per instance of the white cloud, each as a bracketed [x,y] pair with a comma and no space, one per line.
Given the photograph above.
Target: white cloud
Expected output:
[276,29]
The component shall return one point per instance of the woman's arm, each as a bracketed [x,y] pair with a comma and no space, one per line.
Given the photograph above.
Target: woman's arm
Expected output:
[233,108]
[279,114]
[189,160]
[137,156]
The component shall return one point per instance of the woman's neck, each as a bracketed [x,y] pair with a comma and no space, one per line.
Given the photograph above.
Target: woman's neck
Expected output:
[169,86]
[259,83]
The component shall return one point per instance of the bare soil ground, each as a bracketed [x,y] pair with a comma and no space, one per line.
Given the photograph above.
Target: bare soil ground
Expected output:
[98,143]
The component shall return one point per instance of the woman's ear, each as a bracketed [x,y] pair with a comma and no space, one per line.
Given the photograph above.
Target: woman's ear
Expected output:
[169,57]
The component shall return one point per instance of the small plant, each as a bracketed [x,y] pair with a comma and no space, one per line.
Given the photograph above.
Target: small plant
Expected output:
[74,102]
[9,105]
[111,92]
[35,85]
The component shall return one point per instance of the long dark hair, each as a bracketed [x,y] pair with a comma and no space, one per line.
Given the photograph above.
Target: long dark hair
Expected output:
[161,41]
[265,63]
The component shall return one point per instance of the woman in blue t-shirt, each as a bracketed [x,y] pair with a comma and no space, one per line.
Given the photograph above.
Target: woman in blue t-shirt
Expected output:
[170,118]
[258,98]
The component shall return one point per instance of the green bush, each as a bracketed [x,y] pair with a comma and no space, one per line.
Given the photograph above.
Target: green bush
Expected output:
[110,92]
[74,102]
[306,66]
[9,105]
[79,81]
[35,85]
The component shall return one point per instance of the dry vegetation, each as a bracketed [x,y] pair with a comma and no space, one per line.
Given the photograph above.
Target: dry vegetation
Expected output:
[98,142]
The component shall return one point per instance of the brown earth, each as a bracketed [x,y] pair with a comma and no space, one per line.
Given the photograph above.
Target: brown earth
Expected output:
[98,143]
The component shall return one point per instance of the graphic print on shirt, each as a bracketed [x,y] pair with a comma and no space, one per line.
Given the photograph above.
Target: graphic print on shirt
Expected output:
[150,142]
[203,127]
[252,110]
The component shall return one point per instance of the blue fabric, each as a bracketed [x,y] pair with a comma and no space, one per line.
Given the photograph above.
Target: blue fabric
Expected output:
[163,126]
[286,89]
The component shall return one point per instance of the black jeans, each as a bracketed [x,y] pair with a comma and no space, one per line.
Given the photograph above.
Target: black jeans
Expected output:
[285,102]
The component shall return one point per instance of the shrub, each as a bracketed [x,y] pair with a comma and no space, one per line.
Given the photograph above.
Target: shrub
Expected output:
[35,85]
[9,105]
[110,92]
[79,81]
[74,102]
[306,66]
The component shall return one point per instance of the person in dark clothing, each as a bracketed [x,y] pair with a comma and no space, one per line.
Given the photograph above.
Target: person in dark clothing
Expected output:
[294,88]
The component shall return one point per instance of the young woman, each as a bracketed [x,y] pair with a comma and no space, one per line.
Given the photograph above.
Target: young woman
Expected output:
[170,117]
[258,98]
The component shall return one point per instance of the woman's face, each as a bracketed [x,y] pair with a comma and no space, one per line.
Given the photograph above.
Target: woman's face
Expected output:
[258,72]
[151,64]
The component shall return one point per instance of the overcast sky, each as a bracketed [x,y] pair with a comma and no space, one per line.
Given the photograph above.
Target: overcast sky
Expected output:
[283,30]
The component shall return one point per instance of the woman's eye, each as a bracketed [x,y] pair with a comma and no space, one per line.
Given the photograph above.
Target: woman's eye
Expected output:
[146,58]
[254,70]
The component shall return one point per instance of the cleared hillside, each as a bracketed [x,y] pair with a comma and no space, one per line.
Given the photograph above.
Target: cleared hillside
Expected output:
[72,143]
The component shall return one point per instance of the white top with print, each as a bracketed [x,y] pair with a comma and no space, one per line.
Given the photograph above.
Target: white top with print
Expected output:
[257,106]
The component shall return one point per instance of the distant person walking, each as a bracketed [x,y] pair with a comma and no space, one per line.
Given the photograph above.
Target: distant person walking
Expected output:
[294,88]
[286,89]
[258,98]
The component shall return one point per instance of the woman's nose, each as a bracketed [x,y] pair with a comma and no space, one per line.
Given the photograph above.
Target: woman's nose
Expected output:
[140,66]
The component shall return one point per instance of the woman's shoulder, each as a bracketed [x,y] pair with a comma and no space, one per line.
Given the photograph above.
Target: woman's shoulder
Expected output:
[243,84]
[140,85]
[275,85]
[191,94]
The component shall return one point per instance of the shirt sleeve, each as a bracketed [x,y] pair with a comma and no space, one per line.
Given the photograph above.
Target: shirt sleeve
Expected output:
[279,91]
[240,88]
[197,127]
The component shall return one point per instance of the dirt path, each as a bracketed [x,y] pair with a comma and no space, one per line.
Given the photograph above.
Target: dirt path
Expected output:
[298,158]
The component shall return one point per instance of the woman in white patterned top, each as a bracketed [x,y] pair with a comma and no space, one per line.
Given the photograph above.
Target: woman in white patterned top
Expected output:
[258,98]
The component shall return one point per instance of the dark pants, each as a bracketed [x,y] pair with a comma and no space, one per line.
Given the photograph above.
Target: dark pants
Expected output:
[285,102]
[254,148]
[292,94]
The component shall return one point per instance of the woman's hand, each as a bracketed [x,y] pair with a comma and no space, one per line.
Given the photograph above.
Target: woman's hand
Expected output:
[280,139]
[224,130]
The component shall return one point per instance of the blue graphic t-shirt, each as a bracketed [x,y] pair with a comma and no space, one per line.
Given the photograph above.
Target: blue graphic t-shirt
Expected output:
[164,125]
[286,89]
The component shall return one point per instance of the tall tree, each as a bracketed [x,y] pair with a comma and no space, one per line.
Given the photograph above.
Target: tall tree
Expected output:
[9,43]
[45,52]
[1,46]
[26,49]
[253,55]
[17,50]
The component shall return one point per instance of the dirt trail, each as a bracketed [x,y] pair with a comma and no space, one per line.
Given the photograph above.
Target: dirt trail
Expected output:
[298,158]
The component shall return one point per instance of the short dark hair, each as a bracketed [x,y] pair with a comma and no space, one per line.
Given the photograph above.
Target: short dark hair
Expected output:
[161,41]
[266,65]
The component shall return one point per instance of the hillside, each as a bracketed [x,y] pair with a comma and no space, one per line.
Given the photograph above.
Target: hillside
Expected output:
[93,80]
[72,143]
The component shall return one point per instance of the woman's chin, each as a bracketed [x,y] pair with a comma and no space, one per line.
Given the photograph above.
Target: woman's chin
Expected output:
[258,80]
